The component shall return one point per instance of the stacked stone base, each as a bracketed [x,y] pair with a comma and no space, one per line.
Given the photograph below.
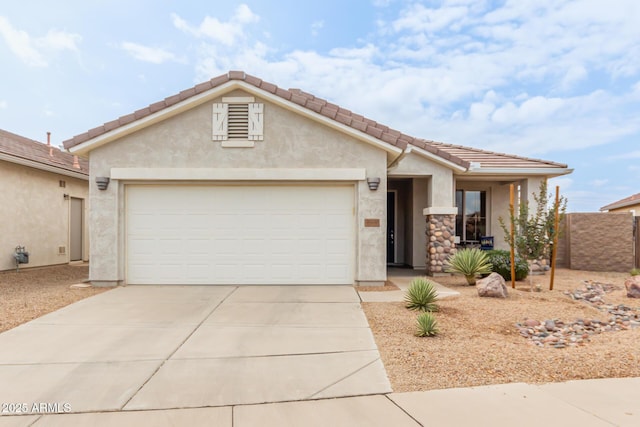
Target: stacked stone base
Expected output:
[440,242]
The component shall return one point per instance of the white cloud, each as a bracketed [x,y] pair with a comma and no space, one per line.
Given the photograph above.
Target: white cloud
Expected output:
[21,44]
[34,51]
[418,18]
[226,33]
[599,182]
[3,105]
[630,155]
[154,55]
[316,27]
[519,78]
[60,40]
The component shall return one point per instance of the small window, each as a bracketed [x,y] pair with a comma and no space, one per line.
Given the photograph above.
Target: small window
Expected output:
[238,122]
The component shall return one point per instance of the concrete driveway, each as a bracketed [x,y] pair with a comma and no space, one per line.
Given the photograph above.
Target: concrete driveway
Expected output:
[152,347]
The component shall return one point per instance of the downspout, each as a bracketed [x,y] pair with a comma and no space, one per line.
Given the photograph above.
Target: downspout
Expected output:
[399,158]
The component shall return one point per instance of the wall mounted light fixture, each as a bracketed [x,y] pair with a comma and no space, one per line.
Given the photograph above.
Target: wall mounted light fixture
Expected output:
[66,196]
[103,182]
[373,183]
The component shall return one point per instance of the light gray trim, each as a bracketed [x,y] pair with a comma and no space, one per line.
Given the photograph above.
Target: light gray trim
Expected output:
[237,174]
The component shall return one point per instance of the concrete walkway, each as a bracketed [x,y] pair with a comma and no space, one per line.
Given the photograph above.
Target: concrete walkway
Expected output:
[588,403]
[402,278]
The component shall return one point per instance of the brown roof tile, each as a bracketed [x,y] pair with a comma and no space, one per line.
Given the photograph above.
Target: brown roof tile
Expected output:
[27,149]
[456,154]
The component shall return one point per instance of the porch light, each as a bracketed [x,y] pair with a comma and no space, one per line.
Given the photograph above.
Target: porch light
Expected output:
[103,182]
[373,183]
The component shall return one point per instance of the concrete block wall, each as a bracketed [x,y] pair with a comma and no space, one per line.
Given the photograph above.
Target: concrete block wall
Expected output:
[598,242]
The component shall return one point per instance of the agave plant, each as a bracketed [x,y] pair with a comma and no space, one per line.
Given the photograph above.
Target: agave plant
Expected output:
[427,325]
[469,262]
[421,295]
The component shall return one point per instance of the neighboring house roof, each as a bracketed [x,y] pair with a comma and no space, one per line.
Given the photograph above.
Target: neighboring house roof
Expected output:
[24,151]
[466,158]
[631,200]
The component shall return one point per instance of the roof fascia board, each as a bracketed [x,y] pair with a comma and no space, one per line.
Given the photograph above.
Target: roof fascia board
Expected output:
[165,113]
[438,159]
[85,147]
[43,167]
[303,111]
[519,171]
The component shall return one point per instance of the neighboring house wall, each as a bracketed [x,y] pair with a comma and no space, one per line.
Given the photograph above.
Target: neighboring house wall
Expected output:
[635,209]
[597,242]
[185,141]
[34,213]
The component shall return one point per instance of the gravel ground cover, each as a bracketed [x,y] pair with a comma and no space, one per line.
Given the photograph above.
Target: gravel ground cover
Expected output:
[31,293]
[480,343]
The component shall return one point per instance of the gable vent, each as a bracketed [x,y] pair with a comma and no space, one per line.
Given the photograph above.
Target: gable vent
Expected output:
[238,121]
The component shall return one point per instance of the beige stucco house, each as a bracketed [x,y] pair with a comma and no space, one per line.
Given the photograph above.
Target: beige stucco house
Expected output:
[238,181]
[628,204]
[43,203]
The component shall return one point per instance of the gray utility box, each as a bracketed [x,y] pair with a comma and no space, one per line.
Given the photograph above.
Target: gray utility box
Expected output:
[21,256]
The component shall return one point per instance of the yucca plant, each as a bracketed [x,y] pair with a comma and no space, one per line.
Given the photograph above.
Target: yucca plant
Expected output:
[469,262]
[427,325]
[421,295]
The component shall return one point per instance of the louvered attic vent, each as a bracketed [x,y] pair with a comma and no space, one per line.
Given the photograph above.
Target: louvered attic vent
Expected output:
[238,121]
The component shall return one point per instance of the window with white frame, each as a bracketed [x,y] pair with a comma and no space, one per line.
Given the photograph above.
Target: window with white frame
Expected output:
[238,122]
[471,220]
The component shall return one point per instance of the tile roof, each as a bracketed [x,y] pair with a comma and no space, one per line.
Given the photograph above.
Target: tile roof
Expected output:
[631,200]
[459,155]
[19,147]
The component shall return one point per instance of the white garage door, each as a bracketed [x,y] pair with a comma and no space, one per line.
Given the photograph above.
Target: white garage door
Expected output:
[240,234]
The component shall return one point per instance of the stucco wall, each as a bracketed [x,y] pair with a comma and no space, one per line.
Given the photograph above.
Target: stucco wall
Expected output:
[441,184]
[35,214]
[420,201]
[184,141]
[635,209]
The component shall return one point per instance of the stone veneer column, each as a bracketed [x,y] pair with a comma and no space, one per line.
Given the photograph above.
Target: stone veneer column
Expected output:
[440,232]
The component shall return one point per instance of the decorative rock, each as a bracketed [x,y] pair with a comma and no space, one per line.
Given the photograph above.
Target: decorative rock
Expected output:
[557,334]
[550,325]
[633,286]
[492,286]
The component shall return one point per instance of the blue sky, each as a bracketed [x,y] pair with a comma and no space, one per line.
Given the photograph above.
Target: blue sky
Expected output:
[551,79]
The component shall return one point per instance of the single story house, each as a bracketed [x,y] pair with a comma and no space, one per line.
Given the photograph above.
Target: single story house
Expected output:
[628,204]
[238,181]
[43,203]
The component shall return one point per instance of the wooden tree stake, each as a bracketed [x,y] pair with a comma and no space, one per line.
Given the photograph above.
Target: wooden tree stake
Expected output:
[556,231]
[512,238]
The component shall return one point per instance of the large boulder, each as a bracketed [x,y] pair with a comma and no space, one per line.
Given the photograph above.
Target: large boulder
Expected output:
[492,286]
[633,286]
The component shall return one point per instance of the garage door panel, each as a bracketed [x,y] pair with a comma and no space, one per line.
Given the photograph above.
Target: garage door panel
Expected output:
[240,234]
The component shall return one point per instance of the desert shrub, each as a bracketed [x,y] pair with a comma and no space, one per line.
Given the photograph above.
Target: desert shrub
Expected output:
[635,272]
[427,325]
[501,264]
[469,262]
[421,295]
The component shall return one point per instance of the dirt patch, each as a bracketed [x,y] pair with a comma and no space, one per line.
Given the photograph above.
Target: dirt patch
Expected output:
[388,286]
[479,343]
[31,293]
